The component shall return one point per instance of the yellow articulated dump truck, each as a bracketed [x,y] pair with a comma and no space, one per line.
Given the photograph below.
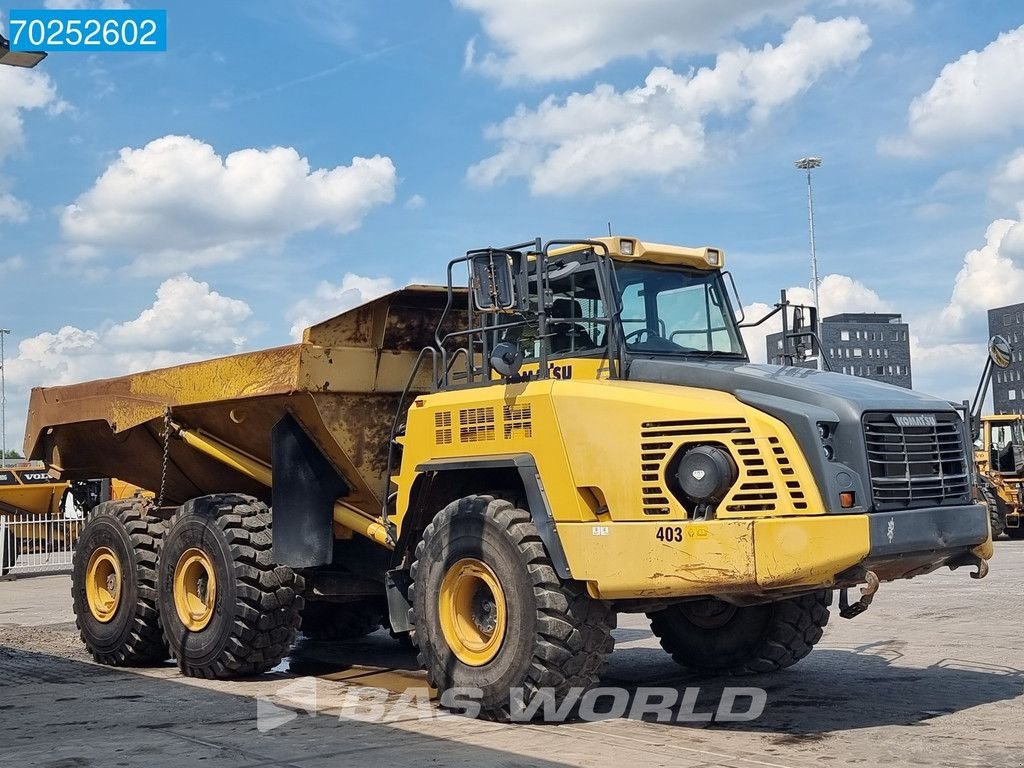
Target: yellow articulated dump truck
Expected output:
[495,471]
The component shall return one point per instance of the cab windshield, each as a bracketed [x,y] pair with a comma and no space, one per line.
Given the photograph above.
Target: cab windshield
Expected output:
[673,310]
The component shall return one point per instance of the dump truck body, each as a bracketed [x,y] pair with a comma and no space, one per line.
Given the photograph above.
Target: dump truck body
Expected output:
[587,407]
[30,490]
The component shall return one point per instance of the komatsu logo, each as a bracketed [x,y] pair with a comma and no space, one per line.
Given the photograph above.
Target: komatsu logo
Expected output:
[914,419]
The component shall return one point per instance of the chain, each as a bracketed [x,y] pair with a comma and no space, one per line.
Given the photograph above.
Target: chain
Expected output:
[167,453]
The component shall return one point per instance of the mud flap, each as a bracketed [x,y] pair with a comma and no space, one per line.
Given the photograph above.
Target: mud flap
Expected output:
[306,486]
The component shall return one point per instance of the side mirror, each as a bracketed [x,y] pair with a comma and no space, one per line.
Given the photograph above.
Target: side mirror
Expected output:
[492,282]
[1000,352]
[804,334]
[506,359]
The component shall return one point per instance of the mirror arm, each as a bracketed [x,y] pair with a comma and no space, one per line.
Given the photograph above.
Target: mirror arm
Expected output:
[773,313]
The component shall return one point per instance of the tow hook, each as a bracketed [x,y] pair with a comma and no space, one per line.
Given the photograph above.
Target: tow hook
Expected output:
[867,594]
[971,559]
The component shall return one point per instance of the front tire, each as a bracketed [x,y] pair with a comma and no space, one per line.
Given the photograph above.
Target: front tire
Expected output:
[713,636]
[227,609]
[996,510]
[113,580]
[489,611]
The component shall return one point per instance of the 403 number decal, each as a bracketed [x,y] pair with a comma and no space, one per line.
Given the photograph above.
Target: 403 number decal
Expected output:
[680,532]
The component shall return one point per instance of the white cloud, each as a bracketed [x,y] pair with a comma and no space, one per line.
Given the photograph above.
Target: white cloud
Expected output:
[11,264]
[187,321]
[1007,185]
[186,316]
[545,40]
[837,293]
[598,140]
[991,276]
[415,202]
[979,95]
[331,299]
[175,203]
[22,90]
[12,209]
[947,370]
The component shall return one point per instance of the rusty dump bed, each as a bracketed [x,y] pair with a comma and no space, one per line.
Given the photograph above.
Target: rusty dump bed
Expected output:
[342,383]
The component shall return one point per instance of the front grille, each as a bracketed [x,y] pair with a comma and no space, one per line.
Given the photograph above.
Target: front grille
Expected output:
[767,479]
[920,465]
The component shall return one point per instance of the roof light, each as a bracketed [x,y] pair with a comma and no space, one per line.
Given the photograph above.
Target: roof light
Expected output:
[714,257]
[626,247]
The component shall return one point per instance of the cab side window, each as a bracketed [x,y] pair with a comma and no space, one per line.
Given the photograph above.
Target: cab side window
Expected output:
[575,317]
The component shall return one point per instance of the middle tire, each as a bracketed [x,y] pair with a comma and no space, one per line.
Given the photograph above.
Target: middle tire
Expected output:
[226,608]
[717,637]
[489,612]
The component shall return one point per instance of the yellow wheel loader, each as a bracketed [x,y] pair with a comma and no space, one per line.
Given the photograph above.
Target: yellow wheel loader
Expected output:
[496,471]
[1000,461]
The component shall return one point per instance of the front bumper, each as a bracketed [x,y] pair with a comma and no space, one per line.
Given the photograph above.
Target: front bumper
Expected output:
[651,560]
[911,542]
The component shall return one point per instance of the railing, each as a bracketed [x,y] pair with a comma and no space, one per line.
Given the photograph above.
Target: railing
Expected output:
[37,544]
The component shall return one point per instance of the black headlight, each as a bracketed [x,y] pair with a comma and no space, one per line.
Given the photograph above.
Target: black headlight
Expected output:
[706,473]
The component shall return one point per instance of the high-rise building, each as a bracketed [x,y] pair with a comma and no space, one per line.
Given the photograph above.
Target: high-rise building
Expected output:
[868,344]
[1008,384]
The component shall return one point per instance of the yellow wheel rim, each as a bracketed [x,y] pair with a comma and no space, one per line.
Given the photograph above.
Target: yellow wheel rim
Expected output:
[103,584]
[472,611]
[195,589]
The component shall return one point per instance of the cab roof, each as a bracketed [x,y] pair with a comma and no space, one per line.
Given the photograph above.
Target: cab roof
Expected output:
[627,248]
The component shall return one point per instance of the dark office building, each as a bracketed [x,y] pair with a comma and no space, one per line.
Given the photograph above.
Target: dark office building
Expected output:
[1008,385]
[867,344]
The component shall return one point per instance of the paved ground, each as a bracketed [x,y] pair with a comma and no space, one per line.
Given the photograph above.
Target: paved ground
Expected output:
[932,675]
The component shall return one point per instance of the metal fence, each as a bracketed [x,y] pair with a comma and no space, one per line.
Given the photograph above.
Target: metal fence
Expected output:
[35,544]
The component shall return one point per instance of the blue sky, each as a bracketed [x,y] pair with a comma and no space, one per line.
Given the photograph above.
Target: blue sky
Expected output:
[127,241]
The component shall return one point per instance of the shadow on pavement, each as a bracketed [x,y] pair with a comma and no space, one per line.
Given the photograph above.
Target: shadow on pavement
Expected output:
[831,690]
[58,713]
[837,690]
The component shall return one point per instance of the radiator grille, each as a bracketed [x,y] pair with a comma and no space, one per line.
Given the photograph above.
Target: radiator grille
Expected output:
[757,490]
[916,466]
[476,425]
[443,427]
[518,421]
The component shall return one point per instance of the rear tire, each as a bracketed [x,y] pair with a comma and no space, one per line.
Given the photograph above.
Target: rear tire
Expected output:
[341,621]
[227,609]
[113,582]
[534,632]
[713,636]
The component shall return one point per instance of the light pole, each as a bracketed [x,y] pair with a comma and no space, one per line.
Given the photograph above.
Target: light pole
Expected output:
[808,164]
[26,59]
[3,400]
